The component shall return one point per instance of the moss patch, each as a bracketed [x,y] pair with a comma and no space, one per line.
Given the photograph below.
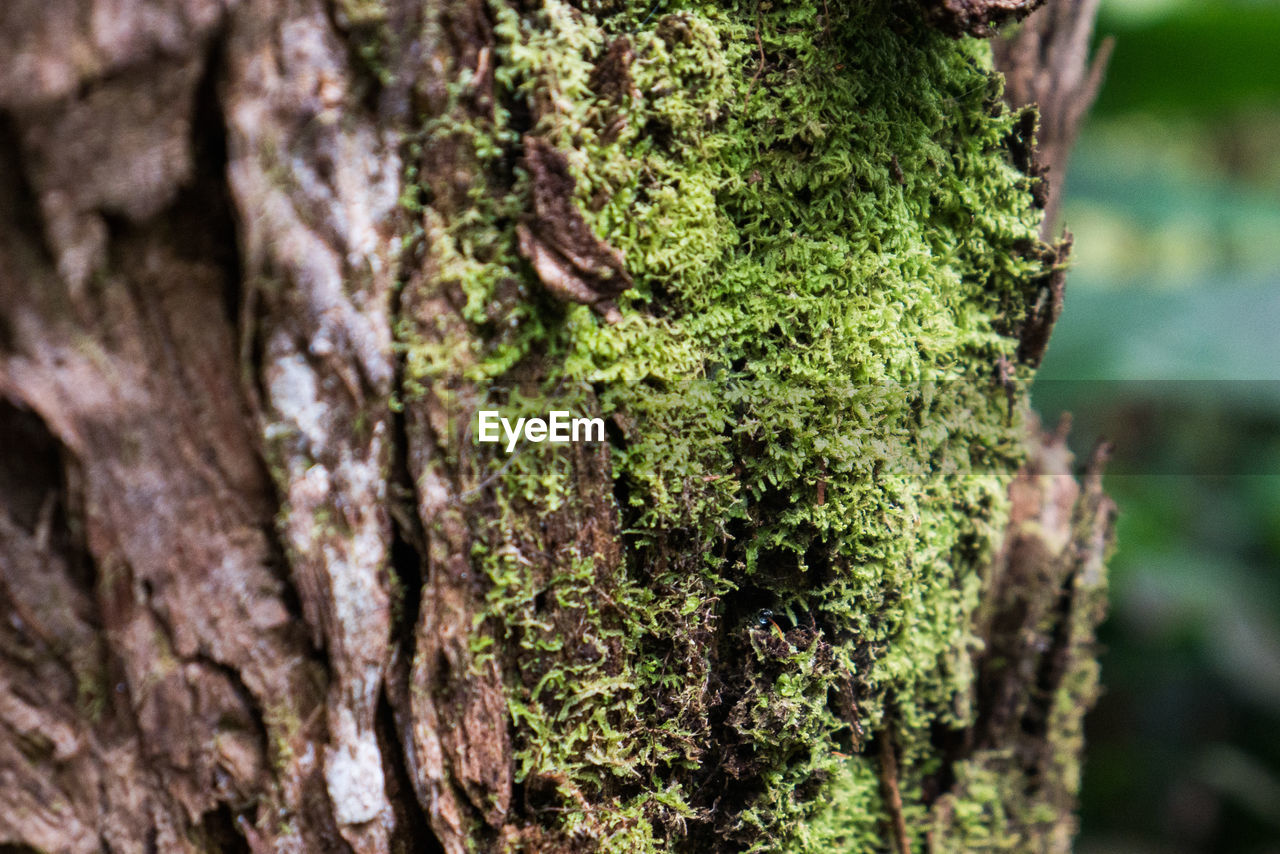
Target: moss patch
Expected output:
[828,239]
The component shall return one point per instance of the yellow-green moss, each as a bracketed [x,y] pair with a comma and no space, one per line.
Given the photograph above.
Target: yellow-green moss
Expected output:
[827,244]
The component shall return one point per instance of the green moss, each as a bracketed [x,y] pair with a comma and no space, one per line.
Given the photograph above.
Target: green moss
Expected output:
[827,244]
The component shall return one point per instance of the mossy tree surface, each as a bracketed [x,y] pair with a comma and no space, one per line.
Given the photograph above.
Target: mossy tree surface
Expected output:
[823,587]
[833,252]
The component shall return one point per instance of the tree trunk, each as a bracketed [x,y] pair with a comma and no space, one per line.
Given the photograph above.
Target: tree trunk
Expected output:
[263,263]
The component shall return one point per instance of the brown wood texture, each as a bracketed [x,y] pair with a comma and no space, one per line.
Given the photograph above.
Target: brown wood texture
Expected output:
[199,259]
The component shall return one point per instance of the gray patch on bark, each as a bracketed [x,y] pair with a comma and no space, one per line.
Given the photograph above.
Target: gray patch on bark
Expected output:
[316,187]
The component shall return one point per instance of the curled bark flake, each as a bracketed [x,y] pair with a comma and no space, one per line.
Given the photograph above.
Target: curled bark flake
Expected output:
[570,260]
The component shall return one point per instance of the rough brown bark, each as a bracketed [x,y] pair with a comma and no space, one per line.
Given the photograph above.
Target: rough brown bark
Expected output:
[189,690]
[1052,79]
[1047,64]
[205,475]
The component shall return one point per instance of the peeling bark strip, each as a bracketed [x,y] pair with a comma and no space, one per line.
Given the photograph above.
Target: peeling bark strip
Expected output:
[1037,673]
[1046,63]
[976,17]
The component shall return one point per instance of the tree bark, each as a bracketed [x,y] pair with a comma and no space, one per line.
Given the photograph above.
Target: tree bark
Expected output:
[262,263]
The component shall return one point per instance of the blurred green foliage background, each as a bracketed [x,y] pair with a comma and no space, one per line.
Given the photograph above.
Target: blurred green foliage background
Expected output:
[1170,344]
